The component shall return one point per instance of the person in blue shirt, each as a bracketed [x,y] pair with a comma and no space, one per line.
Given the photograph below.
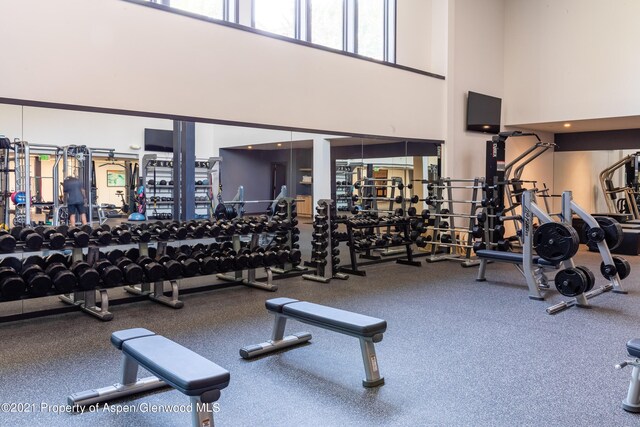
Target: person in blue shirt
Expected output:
[76,199]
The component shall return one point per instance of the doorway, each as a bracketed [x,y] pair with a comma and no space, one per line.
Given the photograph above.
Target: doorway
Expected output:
[278,178]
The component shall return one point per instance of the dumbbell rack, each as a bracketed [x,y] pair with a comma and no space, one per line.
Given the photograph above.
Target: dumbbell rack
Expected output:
[393,184]
[404,224]
[402,211]
[291,214]
[325,205]
[237,276]
[151,170]
[440,250]
[157,292]
[86,300]
[203,191]
[343,191]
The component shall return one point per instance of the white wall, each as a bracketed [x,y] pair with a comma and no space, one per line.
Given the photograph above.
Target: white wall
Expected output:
[571,59]
[120,55]
[413,37]
[475,62]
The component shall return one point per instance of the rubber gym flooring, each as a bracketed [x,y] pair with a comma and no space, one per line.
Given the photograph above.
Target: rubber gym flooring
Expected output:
[456,353]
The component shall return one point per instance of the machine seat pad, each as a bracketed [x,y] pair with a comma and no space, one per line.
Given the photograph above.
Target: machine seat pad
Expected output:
[633,347]
[178,366]
[335,319]
[512,257]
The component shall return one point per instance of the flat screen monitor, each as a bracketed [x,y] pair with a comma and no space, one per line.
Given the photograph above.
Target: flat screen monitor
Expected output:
[483,113]
[158,140]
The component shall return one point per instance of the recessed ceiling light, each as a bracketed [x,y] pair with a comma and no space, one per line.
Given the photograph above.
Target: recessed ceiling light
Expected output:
[279,144]
[486,127]
[250,147]
[567,125]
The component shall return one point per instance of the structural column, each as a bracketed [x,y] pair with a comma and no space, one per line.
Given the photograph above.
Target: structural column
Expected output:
[321,170]
[184,160]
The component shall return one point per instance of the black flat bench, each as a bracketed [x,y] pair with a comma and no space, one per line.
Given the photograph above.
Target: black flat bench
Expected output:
[510,257]
[368,330]
[632,402]
[171,364]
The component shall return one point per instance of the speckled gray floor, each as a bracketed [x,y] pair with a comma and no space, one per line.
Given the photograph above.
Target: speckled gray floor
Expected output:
[456,353]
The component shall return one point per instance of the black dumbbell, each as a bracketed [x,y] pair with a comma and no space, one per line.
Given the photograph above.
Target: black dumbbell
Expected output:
[140,234]
[172,268]
[223,262]
[80,237]
[196,230]
[102,236]
[247,259]
[213,230]
[12,286]
[270,257]
[110,274]
[190,266]
[178,231]
[88,277]
[124,236]
[132,272]
[37,281]
[7,242]
[152,270]
[160,232]
[208,265]
[64,281]
[133,254]
[226,228]
[242,227]
[31,238]
[255,225]
[56,237]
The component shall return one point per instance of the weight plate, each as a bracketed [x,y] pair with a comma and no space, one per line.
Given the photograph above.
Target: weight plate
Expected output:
[571,282]
[622,267]
[591,279]
[555,241]
[612,229]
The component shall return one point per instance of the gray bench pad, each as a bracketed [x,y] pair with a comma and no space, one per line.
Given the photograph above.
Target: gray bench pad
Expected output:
[181,368]
[633,347]
[512,257]
[328,317]
[119,337]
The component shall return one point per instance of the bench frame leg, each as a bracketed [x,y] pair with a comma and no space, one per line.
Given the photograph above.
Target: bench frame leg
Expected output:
[482,269]
[130,385]
[277,342]
[201,413]
[632,402]
[371,369]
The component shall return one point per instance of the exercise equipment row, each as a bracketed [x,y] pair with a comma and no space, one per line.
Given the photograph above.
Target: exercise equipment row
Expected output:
[55,238]
[396,199]
[38,276]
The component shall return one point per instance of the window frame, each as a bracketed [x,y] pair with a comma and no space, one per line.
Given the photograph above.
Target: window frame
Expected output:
[389,31]
[309,25]
[296,20]
[235,24]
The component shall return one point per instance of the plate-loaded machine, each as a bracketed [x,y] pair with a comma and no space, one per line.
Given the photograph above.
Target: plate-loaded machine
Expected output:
[628,203]
[556,244]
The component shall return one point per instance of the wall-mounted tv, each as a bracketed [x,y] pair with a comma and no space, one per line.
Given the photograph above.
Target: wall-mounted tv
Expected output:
[158,140]
[483,113]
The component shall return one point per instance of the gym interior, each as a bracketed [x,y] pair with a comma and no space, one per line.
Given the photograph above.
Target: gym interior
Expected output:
[203,203]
